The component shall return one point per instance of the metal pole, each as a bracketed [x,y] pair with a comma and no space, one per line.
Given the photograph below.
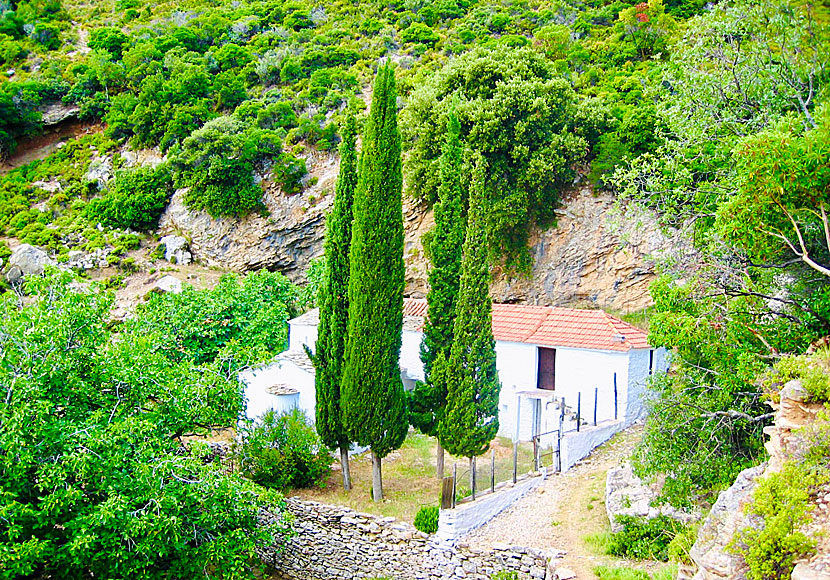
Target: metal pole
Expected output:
[578,410]
[535,454]
[493,471]
[615,396]
[596,395]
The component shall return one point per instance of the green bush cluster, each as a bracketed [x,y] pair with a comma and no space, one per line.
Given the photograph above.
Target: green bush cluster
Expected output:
[426,520]
[644,538]
[283,451]
[781,500]
[135,201]
[812,370]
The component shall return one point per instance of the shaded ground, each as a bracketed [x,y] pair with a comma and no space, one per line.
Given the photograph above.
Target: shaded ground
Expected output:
[41,146]
[564,510]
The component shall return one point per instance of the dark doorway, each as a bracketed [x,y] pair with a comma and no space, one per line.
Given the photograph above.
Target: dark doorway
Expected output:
[546,375]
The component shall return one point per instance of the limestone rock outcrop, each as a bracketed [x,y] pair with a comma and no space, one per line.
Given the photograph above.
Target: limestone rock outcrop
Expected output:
[175,250]
[628,495]
[27,260]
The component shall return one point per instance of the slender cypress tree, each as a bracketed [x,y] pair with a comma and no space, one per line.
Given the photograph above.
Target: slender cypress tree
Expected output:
[372,396]
[470,420]
[427,400]
[334,304]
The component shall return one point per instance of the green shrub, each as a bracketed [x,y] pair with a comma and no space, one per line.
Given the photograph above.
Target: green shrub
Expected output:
[617,573]
[426,520]
[644,539]
[136,200]
[5,251]
[812,370]
[504,575]
[283,451]
[781,500]
[678,549]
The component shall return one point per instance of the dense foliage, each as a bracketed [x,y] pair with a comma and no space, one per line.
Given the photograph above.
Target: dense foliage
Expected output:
[644,538]
[372,392]
[515,109]
[240,321]
[283,451]
[426,402]
[135,201]
[426,520]
[96,479]
[333,300]
[470,420]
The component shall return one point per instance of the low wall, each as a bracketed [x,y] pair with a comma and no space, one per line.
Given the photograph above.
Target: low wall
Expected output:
[465,517]
[578,444]
[334,543]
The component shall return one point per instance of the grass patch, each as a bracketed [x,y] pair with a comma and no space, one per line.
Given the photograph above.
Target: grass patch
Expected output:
[409,481]
[599,543]
[624,573]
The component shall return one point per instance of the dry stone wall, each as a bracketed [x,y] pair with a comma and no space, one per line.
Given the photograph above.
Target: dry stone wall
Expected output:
[334,542]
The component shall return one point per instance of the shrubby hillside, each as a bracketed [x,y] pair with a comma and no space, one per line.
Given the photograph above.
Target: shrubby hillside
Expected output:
[713,116]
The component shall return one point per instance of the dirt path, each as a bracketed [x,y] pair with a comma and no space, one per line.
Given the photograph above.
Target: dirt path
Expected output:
[565,509]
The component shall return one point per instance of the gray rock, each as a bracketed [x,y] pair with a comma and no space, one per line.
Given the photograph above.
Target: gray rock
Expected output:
[168,284]
[100,171]
[727,516]
[58,112]
[14,275]
[627,495]
[30,260]
[176,250]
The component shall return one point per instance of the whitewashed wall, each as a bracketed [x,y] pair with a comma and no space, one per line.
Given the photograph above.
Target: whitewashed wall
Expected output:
[638,371]
[259,400]
[300,334]
[581,371]
[516,363]
[410,360]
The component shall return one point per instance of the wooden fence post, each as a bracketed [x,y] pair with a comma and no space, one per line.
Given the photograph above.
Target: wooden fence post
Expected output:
[492,471]
[596,396]
[578,409]
[454,482]
[615,396]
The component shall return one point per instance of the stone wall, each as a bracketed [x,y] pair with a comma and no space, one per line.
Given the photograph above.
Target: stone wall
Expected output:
[334,542]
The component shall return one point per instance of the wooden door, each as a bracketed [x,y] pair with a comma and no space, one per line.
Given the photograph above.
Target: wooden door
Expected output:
[546,374]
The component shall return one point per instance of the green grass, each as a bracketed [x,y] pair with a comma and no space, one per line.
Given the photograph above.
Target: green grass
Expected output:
[409,481]
[624,573]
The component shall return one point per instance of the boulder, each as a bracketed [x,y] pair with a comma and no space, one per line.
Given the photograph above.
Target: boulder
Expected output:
[14,275]
[176,250]
[27,260]
[168,284]
[627,495]
[100,171]
[709,552]
[55,113]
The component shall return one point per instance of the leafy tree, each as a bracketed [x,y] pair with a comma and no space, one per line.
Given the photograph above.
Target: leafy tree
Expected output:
[96,480]
[113,40]
[427,401]
[372,396]
[418,32]
[516,111]
[334,304]
[241,322]
[217,162]
[647,26]
[136,201]
[471,420]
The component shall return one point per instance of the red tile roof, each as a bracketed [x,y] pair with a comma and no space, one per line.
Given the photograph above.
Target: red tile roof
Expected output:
[553,326]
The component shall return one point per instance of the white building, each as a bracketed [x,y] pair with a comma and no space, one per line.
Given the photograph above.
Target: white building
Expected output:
[553,363]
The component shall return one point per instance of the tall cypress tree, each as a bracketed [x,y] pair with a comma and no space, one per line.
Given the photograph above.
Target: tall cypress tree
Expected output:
[427,400]
[334,304]
[470,420]
[372,395]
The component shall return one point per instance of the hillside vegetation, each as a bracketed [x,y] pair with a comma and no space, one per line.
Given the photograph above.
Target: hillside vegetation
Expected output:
[713,116]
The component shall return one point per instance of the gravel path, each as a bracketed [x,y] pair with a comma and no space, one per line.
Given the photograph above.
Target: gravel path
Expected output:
[563,510]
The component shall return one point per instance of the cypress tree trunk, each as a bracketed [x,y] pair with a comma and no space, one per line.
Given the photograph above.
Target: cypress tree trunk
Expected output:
[428,400]
[373,401]
[334,304]
[344,464]
[470,420]
[377,478]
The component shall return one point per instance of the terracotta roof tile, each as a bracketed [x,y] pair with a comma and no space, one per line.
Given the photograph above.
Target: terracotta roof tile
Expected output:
[542,325]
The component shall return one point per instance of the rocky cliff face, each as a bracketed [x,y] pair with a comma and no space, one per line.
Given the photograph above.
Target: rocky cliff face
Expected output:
[597,255]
